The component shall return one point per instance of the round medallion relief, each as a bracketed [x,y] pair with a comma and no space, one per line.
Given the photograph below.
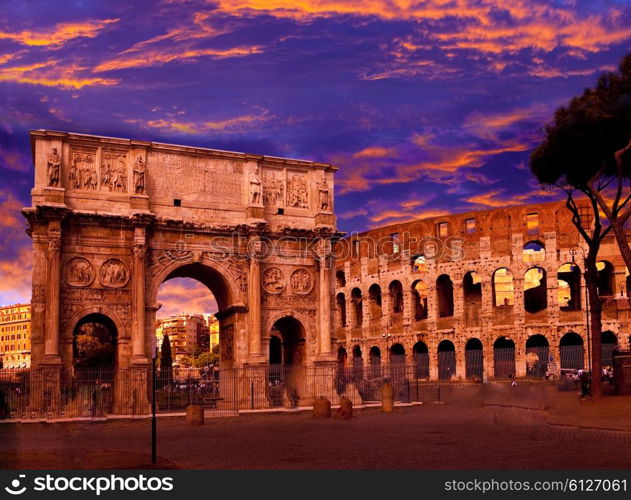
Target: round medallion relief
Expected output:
[78,272]
[273,280]
[114,273]
[301,281]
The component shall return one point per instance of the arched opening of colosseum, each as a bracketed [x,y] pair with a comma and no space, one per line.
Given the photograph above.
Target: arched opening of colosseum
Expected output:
[472,293]
[189,287]
[534,252]
[374,300]
[569,287]
[397,362]
[604,278]
[420,355]
[445,295]
[375,362]
[503,357]
[503,288]
[94,345]
[609,341]
[397,354]
[537,352]
[358,363]
[340,279]
[535,290]
[356,296]
[628,282]
[340,300]
[446,360]
[474,359]
[571,351]
[419,297]
[396,296]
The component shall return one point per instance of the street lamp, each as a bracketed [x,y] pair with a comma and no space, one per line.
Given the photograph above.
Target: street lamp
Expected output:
[576,250]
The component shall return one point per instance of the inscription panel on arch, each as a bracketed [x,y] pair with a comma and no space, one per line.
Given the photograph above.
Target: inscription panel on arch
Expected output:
[195,178]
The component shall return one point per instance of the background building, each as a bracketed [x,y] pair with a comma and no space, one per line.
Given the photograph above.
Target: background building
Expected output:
[15,336]
[188,335]
[213,327]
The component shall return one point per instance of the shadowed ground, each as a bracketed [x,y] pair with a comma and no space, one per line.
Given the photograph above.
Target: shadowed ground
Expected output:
[430,436]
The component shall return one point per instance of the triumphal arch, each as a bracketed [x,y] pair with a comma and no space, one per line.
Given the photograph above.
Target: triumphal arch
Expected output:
[112,219]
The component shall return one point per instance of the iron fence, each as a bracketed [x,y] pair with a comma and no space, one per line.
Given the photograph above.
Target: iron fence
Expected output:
[97,393]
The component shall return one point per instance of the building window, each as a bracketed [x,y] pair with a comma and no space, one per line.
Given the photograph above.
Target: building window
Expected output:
[441,229]
[532,223]
[469,225]
[396,242]
[419,264]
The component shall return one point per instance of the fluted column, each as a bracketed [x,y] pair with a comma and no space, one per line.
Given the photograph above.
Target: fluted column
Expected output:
[53,278]
[139,354]
[325,299]
[254,301]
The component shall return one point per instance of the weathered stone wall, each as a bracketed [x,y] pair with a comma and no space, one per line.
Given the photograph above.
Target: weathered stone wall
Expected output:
[386,255]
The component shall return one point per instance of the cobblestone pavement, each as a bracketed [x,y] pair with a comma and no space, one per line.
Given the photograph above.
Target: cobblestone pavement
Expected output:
[430,436]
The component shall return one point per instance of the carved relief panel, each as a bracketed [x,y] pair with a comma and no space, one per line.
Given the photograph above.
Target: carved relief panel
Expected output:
[114,174]
[301,282]
[273,280]
[297,190]
[82,174]
[274,188]
[114,273]
[78,272]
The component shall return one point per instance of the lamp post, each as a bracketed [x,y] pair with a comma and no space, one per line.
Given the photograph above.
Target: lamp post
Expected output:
[573,252]
[154,433]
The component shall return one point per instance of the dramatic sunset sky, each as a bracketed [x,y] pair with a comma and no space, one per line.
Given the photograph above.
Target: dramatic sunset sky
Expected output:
[428,106]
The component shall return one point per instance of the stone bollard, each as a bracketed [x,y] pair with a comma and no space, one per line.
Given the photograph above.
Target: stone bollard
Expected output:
[321,408]
[345,411]
[195,415]
[387,397]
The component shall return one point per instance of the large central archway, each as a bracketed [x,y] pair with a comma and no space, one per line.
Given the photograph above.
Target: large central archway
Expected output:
[211,275]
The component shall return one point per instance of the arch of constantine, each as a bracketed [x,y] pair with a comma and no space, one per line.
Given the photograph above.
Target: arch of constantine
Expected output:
[112,219]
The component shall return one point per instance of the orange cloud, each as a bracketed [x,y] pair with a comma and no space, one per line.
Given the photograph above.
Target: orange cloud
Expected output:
[58,35]
[10,216]
[170,124]
[16,277]
[443,163]
[159,57]
[52,73]
[185,295]
[373,152]
[304,10]
[497,199]
[394,216]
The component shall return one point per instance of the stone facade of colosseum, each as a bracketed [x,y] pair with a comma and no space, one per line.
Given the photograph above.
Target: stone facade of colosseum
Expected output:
[475,295]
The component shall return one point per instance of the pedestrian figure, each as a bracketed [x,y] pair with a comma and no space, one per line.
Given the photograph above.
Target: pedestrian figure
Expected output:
[513,381]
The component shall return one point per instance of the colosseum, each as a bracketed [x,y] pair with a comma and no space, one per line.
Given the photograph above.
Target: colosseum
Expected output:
[477,295]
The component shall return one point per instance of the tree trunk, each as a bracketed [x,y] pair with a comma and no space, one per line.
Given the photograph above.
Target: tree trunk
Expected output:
[595,320]
[623,243]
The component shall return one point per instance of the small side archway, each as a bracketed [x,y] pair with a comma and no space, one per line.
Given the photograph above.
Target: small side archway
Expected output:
[420,355]
[474,358]
[503,357]
[446,360]
[537,355]
[571,351]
